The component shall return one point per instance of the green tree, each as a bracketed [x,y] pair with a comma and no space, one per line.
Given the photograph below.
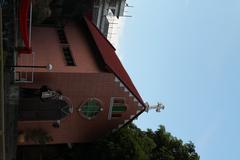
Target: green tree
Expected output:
[169,147]
[128,143]
[131,143]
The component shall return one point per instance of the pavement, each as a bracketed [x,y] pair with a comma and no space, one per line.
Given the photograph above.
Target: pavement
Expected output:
[2,130]
[8,90]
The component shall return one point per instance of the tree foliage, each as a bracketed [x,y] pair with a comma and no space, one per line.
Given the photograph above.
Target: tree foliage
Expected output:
[41,10]
[38,136]
[130,143]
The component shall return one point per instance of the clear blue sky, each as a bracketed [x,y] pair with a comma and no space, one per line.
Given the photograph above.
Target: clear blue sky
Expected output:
[186,54]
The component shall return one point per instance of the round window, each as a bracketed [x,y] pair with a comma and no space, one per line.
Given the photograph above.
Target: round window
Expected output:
[90,108]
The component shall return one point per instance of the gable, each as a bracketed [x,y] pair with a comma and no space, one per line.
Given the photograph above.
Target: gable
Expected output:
[110,59]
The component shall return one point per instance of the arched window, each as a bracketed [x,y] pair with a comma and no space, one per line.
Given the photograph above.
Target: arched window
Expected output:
[90,108]
[43,105]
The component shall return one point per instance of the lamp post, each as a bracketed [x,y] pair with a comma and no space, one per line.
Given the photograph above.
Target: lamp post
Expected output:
[48,67]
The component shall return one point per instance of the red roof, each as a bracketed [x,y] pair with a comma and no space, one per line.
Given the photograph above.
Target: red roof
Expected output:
[111,60]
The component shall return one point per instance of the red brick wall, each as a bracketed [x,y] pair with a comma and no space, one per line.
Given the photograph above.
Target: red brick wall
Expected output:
[80,82]
[48,50]
[79,87]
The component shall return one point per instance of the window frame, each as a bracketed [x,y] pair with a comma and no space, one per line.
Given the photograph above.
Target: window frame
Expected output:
[65,47]
[86,101]
[110,113]
[69,60]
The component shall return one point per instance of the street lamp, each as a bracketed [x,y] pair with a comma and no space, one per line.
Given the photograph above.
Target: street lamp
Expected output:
[48,66]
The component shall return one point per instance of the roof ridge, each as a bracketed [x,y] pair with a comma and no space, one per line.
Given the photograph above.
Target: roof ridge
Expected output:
[86,19]
[111,59]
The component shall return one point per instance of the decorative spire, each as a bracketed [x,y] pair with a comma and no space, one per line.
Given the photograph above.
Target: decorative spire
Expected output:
[158,107]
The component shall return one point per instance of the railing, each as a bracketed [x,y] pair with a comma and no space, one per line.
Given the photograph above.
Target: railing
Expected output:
[23,74]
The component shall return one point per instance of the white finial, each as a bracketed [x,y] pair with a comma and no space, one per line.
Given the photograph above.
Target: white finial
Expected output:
[158,107]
